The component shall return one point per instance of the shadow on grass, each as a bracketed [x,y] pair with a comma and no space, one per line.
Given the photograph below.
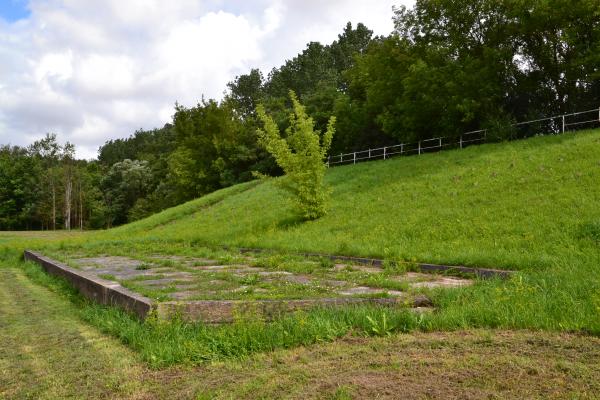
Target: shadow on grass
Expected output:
[291,222]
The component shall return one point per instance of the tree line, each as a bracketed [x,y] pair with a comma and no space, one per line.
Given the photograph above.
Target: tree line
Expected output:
[448,67]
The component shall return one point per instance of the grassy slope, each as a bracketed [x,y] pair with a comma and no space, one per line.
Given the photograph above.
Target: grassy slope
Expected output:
[512,205]
[527,205]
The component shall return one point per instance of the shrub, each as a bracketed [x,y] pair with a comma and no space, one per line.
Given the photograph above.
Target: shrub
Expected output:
[300,154]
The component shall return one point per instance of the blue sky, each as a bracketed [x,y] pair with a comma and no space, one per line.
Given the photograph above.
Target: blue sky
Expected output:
[13,10]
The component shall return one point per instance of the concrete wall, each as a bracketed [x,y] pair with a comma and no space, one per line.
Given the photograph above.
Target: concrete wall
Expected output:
[99,290]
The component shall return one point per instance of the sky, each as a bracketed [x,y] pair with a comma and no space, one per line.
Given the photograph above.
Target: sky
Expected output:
[94,70]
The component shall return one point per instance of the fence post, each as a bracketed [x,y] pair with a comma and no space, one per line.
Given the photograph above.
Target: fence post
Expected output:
[385,148]
[419,147]
[563,124]
[354,157]
[341,158]
[598,114]
[401,148]
[460,141]
[440,144]
[369,153]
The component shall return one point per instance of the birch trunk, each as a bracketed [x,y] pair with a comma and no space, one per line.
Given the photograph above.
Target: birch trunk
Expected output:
[68,192]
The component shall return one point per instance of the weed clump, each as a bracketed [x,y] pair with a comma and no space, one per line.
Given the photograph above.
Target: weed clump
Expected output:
[142,267]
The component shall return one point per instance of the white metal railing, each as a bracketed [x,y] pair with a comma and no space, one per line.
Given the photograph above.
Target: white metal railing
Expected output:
[554,125]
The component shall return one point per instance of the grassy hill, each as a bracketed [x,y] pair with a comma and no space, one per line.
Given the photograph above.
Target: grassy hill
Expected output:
[528,205]
[520,205]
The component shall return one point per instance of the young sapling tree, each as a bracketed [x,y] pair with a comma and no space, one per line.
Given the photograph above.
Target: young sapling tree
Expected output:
[300,154]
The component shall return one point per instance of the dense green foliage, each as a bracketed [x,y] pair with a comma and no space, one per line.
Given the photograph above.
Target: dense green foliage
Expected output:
[300,154]
[448,67]
[43,187]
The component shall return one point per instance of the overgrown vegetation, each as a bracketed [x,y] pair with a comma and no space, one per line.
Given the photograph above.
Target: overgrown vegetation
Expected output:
[502,208]
[301,155]
[163,343]
[449,66]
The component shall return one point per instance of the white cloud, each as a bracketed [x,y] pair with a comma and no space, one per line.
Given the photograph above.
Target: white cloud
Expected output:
[108,76]
[57,66]
[91,70]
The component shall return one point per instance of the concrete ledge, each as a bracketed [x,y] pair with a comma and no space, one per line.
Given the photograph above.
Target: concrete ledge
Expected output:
[485,273]
[224,311]
[208,311]
[99,290]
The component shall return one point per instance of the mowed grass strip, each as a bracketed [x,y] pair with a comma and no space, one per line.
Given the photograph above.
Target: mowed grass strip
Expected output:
[461,365]
[46,352]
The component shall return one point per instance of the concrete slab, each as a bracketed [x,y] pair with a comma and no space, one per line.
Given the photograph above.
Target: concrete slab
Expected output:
[299,279]
[186,294]
[442,282]
[216,311]
[186,285]
[184,260]
[160,282]
[358,290]
[334,283]
[94,288]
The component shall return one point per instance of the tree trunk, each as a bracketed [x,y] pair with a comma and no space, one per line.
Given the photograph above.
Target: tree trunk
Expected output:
[68,192]
[80,207]
[53,206]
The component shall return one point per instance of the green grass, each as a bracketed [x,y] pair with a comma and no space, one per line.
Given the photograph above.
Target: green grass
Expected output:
[530,206]
[51,347]
[511,205]
[45,350]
